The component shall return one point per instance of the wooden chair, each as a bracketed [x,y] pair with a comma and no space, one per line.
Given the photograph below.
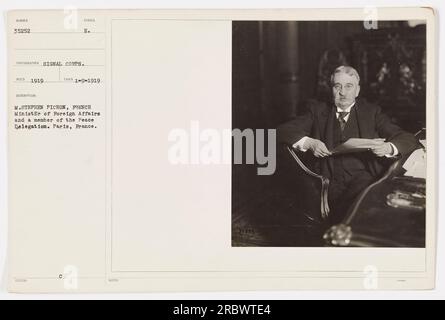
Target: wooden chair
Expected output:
[310,188]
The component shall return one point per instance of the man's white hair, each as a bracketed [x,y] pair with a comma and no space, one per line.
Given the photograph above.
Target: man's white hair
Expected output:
[345,69]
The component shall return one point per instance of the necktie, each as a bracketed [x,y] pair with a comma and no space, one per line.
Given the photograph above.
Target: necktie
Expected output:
[341,119]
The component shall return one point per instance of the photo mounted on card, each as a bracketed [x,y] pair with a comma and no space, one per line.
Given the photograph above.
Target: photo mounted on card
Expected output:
[175,150]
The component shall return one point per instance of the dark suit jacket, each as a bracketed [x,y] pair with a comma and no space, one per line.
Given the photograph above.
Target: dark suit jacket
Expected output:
[318,123]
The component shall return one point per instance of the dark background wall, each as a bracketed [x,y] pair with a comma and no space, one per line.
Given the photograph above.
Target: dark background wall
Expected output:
[279,65]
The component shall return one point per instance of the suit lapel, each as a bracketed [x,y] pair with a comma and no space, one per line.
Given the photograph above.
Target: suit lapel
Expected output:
[365,122]
[351,123]
[328,137]
[328,134]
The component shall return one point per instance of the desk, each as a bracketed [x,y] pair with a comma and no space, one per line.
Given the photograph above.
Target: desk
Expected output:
[378,220]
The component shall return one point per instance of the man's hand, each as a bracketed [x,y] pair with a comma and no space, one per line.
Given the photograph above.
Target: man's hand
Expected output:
[317,147]
[383,149]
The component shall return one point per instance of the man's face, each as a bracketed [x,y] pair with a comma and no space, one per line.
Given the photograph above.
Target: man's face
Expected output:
[345,89]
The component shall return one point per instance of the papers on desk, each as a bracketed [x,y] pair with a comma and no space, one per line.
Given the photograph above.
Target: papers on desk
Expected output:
[415,165]
[357,145]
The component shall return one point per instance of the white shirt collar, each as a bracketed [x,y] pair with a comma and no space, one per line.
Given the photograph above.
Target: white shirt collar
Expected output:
[348,109]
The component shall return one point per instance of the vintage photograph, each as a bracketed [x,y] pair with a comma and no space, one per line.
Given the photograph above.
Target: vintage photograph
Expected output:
[222,150]
[346,101]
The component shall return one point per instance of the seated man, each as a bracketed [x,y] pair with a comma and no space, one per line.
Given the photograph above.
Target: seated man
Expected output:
[324,126]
